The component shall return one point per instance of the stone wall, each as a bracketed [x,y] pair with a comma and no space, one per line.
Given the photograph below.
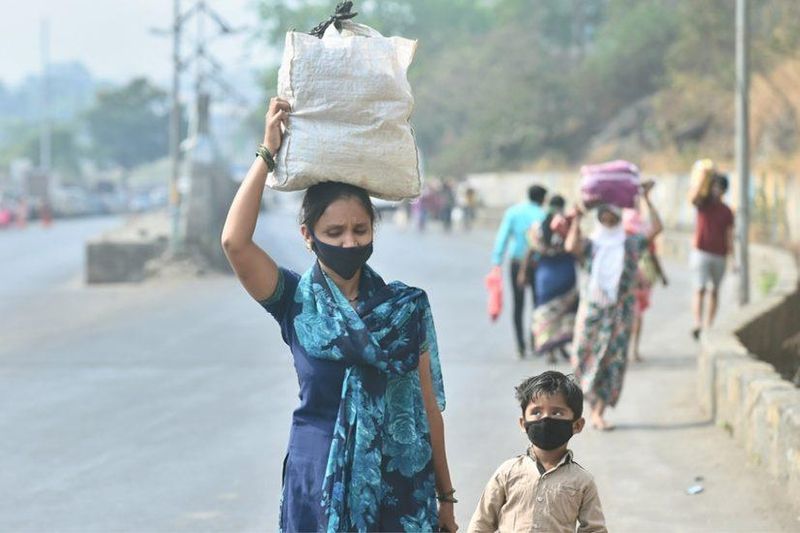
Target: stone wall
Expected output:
[747,396]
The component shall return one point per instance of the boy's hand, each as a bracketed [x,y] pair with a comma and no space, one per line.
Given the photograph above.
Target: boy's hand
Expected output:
[447,517]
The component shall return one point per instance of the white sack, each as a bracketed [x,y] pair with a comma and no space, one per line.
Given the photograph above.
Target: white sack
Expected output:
[351,103]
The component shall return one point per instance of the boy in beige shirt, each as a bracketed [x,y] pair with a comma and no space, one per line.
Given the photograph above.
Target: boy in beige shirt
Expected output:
[544,489]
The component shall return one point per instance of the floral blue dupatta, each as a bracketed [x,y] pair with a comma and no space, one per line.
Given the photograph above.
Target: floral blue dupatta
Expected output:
[379,473]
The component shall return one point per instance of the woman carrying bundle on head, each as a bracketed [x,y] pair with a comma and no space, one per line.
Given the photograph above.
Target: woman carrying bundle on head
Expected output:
[607,309]
[366,449]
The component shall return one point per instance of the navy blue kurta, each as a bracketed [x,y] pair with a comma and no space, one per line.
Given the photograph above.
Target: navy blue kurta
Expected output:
[313,421]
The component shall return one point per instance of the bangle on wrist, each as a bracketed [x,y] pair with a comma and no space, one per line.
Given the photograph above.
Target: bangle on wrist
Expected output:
[263,152]
[447,497]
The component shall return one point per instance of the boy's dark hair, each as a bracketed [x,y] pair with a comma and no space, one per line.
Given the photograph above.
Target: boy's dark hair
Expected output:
[536,194]
[550,383]
[722,181]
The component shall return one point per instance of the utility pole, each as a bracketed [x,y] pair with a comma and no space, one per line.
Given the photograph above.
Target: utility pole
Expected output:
[45,133]
[206,69]
[200,56]
[175,129]
[743,146]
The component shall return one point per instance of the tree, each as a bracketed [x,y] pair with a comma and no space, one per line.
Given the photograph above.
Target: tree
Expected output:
[500,84]
[627,61]
[128,126]
[437,24]
[66,152]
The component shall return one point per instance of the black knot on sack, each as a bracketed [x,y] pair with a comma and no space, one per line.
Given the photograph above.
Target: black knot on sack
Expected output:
[342,13]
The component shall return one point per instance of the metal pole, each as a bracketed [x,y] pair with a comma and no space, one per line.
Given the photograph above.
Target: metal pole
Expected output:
[175,130]
[743,146]
[45,134]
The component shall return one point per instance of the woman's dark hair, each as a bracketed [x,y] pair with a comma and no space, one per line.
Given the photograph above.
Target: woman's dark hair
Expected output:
[536,194]
[555,204]
[318,197]
[548,384]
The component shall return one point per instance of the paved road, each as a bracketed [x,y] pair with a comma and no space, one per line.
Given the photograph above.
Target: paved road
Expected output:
[165,406]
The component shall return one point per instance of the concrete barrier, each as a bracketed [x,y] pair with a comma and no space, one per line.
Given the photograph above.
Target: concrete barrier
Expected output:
[122,254]
[746,395]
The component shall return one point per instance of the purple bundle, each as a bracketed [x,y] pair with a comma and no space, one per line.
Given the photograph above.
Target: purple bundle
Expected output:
[615,182]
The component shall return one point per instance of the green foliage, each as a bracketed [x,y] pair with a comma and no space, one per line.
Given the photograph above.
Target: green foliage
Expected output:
[129,125]
[706,43]
[627,60]
[65,150]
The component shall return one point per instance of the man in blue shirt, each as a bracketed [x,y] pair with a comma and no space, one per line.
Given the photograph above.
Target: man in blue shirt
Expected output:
[517,220]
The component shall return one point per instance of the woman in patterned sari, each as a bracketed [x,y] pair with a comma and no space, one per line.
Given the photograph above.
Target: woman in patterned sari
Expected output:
[555,287]
[607,310]
[366,449]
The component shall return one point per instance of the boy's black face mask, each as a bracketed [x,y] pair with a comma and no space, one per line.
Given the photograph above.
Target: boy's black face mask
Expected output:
[344,261]
[549,433]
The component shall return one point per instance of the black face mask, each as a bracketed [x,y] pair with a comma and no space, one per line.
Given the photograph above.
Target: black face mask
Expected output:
[549,433]
[344,261]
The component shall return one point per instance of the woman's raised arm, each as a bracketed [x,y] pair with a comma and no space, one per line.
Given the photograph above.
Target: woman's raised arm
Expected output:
[656,226]
[574,242]
[256,270]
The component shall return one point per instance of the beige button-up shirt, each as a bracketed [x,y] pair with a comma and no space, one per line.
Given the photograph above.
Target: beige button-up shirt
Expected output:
[519,498]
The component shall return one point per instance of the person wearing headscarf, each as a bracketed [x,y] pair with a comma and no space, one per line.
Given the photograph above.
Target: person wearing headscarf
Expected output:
[555,286]
[608,302]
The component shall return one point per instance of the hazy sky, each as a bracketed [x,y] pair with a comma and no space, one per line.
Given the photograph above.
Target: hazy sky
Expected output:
[110,37]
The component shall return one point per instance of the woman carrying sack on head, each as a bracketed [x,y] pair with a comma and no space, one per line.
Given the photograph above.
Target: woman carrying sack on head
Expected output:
[366,449]
[607,309]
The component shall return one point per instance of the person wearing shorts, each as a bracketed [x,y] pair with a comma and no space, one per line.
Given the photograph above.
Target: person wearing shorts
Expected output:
[713,243]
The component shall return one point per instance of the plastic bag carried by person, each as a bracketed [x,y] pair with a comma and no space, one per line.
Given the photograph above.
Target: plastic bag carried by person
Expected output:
[615,182]
[494,284]
[351,103]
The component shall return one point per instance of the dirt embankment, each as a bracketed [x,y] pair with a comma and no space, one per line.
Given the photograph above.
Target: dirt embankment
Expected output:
[674,127]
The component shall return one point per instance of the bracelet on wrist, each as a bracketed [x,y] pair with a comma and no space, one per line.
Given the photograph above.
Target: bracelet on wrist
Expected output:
[263,152]
[447,497]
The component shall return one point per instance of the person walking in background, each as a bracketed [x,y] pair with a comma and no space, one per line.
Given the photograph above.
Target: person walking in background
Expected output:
[447,204]
[713,243]
[427,205]
[469,207]
[647,275]
[555,286]
[607,309]
[517,220]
